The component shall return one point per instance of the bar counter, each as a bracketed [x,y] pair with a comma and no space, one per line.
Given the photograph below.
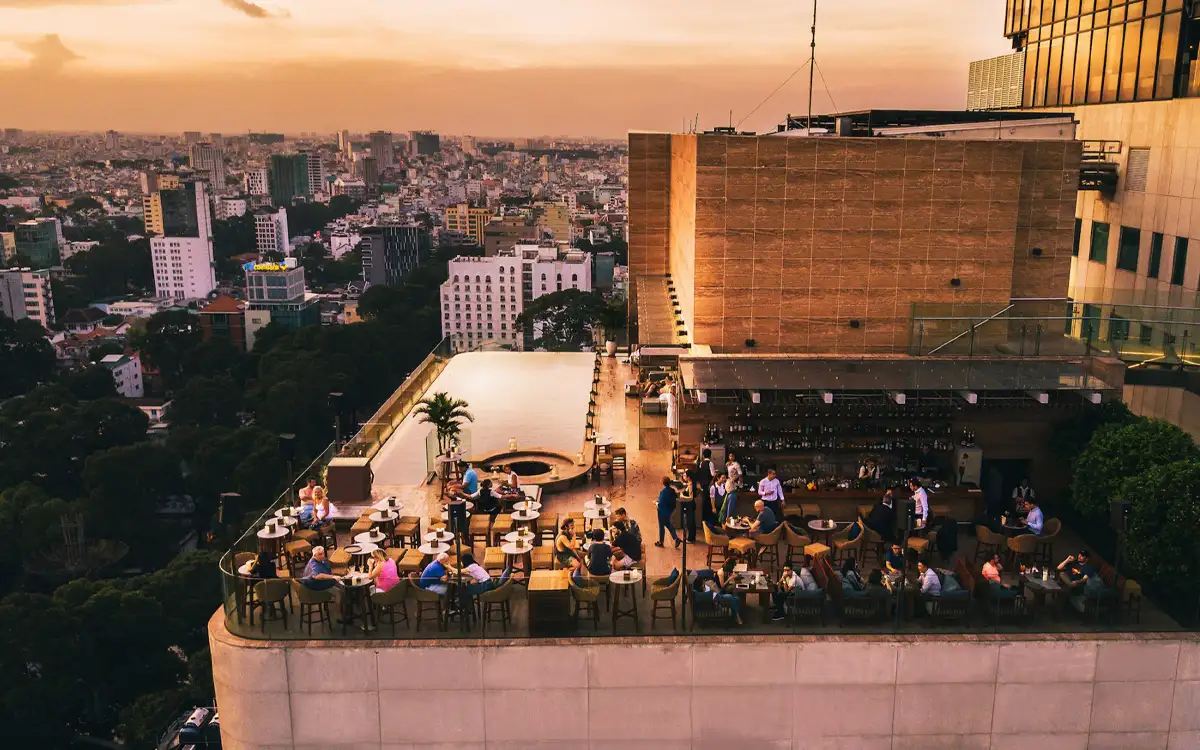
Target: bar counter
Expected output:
[960,503]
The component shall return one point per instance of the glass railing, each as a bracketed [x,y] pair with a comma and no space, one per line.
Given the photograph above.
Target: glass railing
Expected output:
[1057,328]
[376,430]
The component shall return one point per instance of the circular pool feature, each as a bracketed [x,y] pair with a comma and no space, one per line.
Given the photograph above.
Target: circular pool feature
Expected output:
[530,468]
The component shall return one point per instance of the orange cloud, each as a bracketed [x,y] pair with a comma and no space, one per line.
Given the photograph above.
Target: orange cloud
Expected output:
[48,54]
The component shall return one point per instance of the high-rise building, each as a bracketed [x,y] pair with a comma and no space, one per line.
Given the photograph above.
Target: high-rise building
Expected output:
[369,171]
[257,181]
[553,221]
[468,221]
[26,293]
[390,252]
[1127,73]
[40,241]
[278,288]
[191,138]
[271,230]
[424,143]
[182,252]
[316,173]
[289,178]
[230,207]
[381,148]
[469,146]
[149,181]
[209,160]
[506,232]
[112,140]
[345,148]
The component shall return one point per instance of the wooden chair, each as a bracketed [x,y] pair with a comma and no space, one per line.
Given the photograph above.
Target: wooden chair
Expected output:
[542,558]
[297,553]
[1021,549]
[618,460]
[495,606]
[272,596]
[1043,553]
[307,535]
[545,528]
[392,602]
[480,529]
[339,560]
[718,546]
[412,562]
[873,546]
[663,593]
[796,542]
[767,547]
[314,605]
[494,559]
[407,531]
[502,526]
[586,598]
[988,543]
[426,601]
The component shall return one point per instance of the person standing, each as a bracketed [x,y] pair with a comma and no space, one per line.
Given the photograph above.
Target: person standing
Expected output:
[770,491]
[687,506]
[705,475]
[716,501]
[667,500]
[920,502]
[669,398]
[733,480]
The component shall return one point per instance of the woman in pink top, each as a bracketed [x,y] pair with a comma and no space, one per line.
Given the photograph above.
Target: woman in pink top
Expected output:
[383,571]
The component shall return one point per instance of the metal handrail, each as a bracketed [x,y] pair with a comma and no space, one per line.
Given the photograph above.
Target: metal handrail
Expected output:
[972,329]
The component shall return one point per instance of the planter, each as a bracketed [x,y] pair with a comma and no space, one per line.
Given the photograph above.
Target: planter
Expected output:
[610,348]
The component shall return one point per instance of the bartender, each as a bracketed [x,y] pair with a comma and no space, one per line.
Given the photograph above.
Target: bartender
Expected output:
[868,472]
[770,491]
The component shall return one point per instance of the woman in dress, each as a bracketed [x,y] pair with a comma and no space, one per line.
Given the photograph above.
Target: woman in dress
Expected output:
[324,509]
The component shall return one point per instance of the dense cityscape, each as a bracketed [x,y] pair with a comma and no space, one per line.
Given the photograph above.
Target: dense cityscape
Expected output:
[876,424]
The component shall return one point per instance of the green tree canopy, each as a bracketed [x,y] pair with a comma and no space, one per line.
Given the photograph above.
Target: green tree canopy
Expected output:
[26,356]
[90,383]
[563,321]
[169,336]
[206,402]
[1163,543]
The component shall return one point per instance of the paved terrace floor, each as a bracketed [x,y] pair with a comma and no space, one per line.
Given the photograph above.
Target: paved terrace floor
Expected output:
[617,417]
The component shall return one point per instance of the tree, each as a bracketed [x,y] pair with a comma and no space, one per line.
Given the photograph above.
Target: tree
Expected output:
[26,357]
[85,203]
[1163,542]
[90,383]
[126,487]
[563,321]
[446,415]
[168,337]
[1117,452]
[206,402]
[8,182]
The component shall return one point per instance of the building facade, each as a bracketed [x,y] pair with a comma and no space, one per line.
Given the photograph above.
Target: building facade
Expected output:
[224,318]
[257,181]
[391,252]
[126,373]
[228,208]
[271,231]
[40,241]
[289,178]
[468,220]
[279,289]
[424,143]
[381,149]
[26,293]
[209,160]
[182,252]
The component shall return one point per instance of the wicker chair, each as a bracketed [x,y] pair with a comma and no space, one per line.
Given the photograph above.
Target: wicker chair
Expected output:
[844,546]
[392,602]
[640,564]
[480,528]
[796,542]
[873,546]
[1021,549]
[426,601]
[494,559]
[496,605]
[412,562]
[1043,553]
[767,552]
[272,596]
[314,603]
[243,588]
[988,543]
[586,598]
[663,594]
[718,545]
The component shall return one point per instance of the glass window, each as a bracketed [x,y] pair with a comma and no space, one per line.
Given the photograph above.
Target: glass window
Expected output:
[1149,55]
[1078,236]
[1096,66]
[1168,49]
[1087,6]
[1068,71]
[1129,61]
[1135,10]
[1153,6]
[1118,327]
[1030,71]
[1052,80]
[1099,247]
[1085,22]
[1127,249]
[1043,61]
[1060,10]
[1082,54]
[1156,245]
[1179,261]
[1116,16]
[1112,66]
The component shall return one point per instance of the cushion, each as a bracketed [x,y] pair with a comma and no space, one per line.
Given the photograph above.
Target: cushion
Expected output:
[741,544]
[673,576]
[950,584]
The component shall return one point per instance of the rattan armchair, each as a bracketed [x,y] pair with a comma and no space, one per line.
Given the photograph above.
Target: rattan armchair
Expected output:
[495,605]
[796,542]
[718,545]
[988,543]
[426,600]
[767,552]
[272,595]
[393,603]
[314,605]
[663,593]
[1043,553]
[586,598]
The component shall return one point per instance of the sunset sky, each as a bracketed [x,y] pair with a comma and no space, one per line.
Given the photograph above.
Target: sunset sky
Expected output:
[486,67]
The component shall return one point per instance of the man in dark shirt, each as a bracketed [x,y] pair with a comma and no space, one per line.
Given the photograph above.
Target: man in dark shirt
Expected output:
[704,478]
[318,574]
[766,522]
[667,499]
[882,518]
[627,540]
[599,555]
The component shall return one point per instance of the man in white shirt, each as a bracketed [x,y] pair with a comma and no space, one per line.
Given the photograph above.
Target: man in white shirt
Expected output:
[770,491]
[920,501]
[931,585]
[1035,520]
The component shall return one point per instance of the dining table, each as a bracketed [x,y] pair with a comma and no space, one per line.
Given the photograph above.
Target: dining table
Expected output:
[623,582]
[356,602]
[388,503]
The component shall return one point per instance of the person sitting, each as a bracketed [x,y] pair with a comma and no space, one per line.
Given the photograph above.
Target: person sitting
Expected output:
[514,480]
[626,540]
[882,518]
[1034,519]
[306,492]
[1081,578]
[318,573]
[481,580]
[931,584]
[470,479]
[565,551]
[852,582]
[894,559]
[264,567]
[620,516]
[992,569]
[599,555]
[620,559]
[315,510]
[766,522]
[489,500]
[383,571]
[794,582]
[856,528]
[877,592]
[433,577]
[708,589]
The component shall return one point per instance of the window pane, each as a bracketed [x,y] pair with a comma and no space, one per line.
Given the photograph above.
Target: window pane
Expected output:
[1082,53]
[1068,70]
[1052,85]
[1099,249]
[1156,245]
[1112,65]
[1127,249]
[1149,57]
[1116,16]
[1129,61]
[1135,10]
[1096,69]
[1087,6]
[1030,70]
[1078,236]
[1168,49]
[1154,6]
[1039,91]
[1179,261]
[1072,8]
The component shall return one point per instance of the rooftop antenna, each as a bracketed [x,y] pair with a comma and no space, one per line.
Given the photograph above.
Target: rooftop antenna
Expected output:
[812,65]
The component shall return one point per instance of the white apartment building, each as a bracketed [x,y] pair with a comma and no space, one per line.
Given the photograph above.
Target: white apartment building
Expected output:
[126,374]
[271,230]
[482,297]
[227,208]
[256,181]
[140,308]
[68,249]
[316,173]
[183,266]
[25,293]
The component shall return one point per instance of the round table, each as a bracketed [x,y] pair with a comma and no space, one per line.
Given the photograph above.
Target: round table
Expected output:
[360,552]
[439,536]
[594,505]
[624,589]
[279,532]
[522,554]
[289,512]
[738,527]
[824,526]
[270,543]
[513,536]
[469,505]
[445,515]
[525,516]
[433,548]
[246,568]
[370,537]
[388,503]
[382,516]
[356,602]
[288,521]
[527,505]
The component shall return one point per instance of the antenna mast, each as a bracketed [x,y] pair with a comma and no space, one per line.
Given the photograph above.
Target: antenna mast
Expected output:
[812,64]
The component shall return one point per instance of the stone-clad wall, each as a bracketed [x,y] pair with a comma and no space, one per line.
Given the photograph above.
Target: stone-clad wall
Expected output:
[649,201]
[711,692]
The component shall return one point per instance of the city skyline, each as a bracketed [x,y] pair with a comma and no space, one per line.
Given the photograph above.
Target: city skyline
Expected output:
[590,69]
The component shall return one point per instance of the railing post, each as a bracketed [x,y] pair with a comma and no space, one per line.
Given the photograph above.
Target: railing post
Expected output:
[920,337]
[1024,332]
[971,330]
[1037,340]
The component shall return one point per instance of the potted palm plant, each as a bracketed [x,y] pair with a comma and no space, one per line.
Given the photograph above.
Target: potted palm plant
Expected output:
[446,415]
